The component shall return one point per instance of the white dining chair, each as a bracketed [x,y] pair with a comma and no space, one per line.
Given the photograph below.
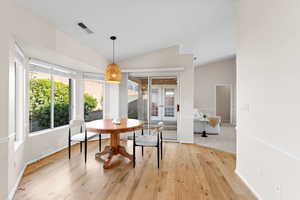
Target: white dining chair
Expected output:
[153,138]
[79,133]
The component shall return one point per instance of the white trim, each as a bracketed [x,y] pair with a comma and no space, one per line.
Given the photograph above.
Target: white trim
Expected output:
[14,189]
[6,139]
[186,141]
[52,66]
[48,130]
[160,69]
[247,184]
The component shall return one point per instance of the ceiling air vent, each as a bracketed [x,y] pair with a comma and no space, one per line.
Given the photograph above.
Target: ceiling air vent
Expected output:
[85,28]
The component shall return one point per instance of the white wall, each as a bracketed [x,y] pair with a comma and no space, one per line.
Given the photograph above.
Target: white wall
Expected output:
[268,151]
[111,101]
[123,96]
[207,77]
[5,68]
[41,40]
[170,58]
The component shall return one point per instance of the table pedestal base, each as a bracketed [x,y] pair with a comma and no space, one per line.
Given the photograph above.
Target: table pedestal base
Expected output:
[204,134]
[112,151]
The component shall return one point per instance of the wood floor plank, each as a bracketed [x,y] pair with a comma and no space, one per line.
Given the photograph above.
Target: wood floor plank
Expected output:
[187,172]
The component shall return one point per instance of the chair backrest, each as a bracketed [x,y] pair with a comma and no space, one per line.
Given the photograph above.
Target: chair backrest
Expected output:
[77,126]
[160,126]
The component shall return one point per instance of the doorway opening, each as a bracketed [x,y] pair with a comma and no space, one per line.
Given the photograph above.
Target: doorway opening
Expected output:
[154,99]
[223,103]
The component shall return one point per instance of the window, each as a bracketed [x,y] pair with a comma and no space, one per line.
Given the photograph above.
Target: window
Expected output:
[61,101]
[39,101]
[49,97]
[93,100]
[133,95]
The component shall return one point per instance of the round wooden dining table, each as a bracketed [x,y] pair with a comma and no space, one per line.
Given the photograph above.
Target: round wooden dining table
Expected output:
[108,127]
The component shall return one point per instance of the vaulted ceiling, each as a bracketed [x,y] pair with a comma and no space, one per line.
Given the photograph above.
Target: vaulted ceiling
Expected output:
[202,27]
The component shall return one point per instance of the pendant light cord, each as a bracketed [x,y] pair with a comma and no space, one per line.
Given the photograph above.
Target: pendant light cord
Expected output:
[113,38]
[113,51]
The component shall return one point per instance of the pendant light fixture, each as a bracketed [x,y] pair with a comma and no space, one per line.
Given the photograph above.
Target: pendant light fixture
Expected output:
[113,71]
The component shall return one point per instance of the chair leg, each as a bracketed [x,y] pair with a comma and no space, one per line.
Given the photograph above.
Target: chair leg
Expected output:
[142,151]
[69,143]
[161,150]
[80,147]
[99,142]
[85,151]
[161,146]
[133,145]
[85,146]
[69,149]
[133,155]
[158,156]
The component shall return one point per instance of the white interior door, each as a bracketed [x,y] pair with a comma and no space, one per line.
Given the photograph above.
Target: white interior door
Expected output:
[156,103]
[163,102]
[169,103]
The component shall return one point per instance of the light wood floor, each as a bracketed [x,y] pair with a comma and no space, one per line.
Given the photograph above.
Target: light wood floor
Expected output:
[187,172]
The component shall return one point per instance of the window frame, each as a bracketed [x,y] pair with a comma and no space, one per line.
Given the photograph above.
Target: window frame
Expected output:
[50,70]
[19,86]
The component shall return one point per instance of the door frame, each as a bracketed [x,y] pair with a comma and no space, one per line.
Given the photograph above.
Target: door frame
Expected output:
[231,98]
[163,74]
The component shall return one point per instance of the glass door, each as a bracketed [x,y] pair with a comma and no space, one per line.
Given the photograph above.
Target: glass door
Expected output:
[163,101]
[169,103]
[156,103]
[138,98]
[154,100]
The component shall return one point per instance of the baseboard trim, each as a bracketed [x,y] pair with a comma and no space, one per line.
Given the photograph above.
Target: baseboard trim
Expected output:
[14,189]
[248,185]
[186,141]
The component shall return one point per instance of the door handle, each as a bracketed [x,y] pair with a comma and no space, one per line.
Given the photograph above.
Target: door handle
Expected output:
[178,107]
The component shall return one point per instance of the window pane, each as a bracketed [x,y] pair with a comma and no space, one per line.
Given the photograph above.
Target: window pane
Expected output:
[93,100]
[133,95]
[138,98]
[61,101]
[39,100]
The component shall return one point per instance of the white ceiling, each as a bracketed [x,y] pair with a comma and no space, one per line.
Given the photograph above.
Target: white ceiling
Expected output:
[202,27]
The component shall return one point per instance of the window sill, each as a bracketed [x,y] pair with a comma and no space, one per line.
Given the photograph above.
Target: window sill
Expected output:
[46,131]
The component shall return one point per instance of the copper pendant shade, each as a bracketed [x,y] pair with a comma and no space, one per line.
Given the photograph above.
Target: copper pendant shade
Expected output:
[113,71]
